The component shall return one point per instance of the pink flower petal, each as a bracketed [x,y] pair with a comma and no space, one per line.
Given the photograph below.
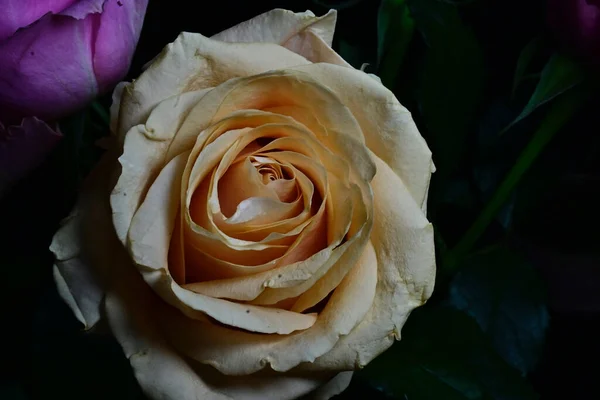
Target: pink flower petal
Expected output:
[46,69]
[18,14]
[61,62]
[118,31]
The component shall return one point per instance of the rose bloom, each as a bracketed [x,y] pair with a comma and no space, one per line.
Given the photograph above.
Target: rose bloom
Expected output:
[258,229]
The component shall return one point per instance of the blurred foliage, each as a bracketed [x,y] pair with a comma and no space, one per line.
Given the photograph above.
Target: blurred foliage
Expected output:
[512,121]
[444,354]
[504,294]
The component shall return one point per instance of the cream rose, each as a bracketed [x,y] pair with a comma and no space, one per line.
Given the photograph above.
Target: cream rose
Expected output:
[262,232]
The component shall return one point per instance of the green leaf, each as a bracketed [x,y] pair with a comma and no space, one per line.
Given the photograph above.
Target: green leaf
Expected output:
[102,113]
[558,115]
[450,86]
[444,355]
[505,296]
[525,58]
[559,75]
[395,28]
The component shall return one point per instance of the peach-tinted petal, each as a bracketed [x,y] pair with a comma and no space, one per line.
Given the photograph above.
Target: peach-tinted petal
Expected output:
[153,223]
[340,131]
[332,278]
[144,154]
[164,374]
[149,238]
[193,62]
[241,181]
[403,242]
[388,127]
[239,353]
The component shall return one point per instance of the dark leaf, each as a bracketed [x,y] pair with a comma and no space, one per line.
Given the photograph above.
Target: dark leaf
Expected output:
[444,355]
[525,58]
[451,81]
[506,297]
[559,114]
[395,29]
[559,75]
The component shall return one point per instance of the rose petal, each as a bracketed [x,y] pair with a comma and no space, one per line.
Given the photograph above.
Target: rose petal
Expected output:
[215,152]
[20,13]
[115,106]
[240,353]
[143,156]
[332,278]
[149,237]
[339,130]
[117,33]
[388,128]
[81,247]
[164,374]
[273,385]
[278,26]
[302,33]
[161,372]
[241,181]
[36,80]
[403,242]
[334,387]
[81,9]
[194,62]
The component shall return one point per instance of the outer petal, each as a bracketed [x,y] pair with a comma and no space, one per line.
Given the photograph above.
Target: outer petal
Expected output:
[46,69]
[303,33]
[144,154]
[194,62]
[83,263]
[236,352]
[403,242]
[23,147]
[117,34]
[116,106]
[64,60]
[81,9]
[165,375]
[388,127]
[20,13]
[271,385]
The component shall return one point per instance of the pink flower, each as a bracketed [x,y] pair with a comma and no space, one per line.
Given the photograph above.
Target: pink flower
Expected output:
[576,24]
[57,55]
